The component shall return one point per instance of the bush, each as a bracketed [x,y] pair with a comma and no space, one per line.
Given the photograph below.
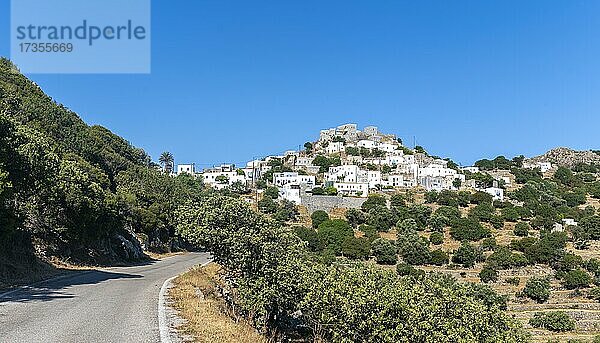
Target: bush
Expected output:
[413,248]
[513,281]
[489,244]
[333,233]
[467,255]
[370,232]
[521,229]
[356,217]
[575,279]
[356,248]
[469,229]
[503,258]
[557,321]
[488,274]
[373,201]
[271,192]
[436,238]
[384,251]
[405,269]
[537,289]
[438,257]
[310,236]
[318,217]
[381,218]
[594,294]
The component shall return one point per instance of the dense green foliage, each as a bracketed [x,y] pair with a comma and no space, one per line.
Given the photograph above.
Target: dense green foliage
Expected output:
[554,321]
[538,289]
[279,283]
[77,191]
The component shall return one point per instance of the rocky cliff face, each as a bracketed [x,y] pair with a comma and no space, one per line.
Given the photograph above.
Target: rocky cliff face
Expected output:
[567,157]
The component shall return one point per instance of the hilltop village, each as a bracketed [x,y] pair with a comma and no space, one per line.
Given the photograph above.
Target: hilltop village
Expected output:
[347,162]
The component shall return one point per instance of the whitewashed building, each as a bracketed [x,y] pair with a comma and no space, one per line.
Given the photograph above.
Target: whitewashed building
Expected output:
[495,192]
[186,168]
[352,188]
[292,178]
[222,176]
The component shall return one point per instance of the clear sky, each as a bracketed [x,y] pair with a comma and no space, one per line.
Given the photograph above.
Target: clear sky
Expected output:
[232,80]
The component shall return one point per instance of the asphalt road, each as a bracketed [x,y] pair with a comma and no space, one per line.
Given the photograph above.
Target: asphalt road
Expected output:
[109,305]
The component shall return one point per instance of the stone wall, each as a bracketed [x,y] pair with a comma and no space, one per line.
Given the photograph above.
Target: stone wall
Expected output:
[328,203]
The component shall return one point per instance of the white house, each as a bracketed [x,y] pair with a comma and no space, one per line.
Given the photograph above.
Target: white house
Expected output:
[569,222]
[186,168]
[495,192]
[471,169]
[367,143]
[334,147]
[292,178]
[222,176]
[290,192]
[345,173]
[544,166]
[352,188]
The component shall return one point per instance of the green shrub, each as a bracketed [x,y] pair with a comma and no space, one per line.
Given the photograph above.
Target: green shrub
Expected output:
[521,229]
[503,258]
[436,238]
[310,236]
[384,251]
[438,257]
[488,274]
[413,248]
[594,293]
[356,248]
[576,278]
[333,232]
[557,321]
[468,229]
[537,289]
[513,281]
[317,217]
[405,269]
[467,255]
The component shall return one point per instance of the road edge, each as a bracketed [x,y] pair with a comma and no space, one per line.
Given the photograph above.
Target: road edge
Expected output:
[163,322]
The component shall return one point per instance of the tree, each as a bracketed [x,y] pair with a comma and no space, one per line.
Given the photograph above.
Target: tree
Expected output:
[374,201]
[413,248]
[488,274]
[438,257]
[310,237]
[167,161]
[468,229]
[355,217]
[436,238]
[308,146]
[271,192]
[267,205]
[521,229]
[333,232]
[356,248]
[381,218]
[318,217]
[537,289]
[557,321]
[457,183]
[467,255]
[384,251]
[576,278]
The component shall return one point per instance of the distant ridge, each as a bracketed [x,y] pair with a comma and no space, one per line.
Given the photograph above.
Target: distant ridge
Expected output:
[568,157]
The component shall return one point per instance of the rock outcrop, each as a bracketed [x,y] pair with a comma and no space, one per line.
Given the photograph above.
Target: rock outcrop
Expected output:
[567,157]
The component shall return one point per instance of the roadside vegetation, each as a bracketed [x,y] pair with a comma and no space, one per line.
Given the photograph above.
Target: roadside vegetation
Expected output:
[198,297]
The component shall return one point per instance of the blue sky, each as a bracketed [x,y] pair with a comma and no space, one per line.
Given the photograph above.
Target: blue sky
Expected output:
[236,79]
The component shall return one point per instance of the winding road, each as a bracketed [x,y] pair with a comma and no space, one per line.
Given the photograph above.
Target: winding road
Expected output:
[108,305]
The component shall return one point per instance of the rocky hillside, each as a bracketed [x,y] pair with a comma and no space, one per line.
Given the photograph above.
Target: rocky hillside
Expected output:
[567,157]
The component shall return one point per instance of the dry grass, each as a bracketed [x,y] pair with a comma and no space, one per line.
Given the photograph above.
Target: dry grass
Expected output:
[208,319]
[160,256]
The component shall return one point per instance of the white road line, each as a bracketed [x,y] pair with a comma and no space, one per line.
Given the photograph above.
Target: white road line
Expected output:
[163,323]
